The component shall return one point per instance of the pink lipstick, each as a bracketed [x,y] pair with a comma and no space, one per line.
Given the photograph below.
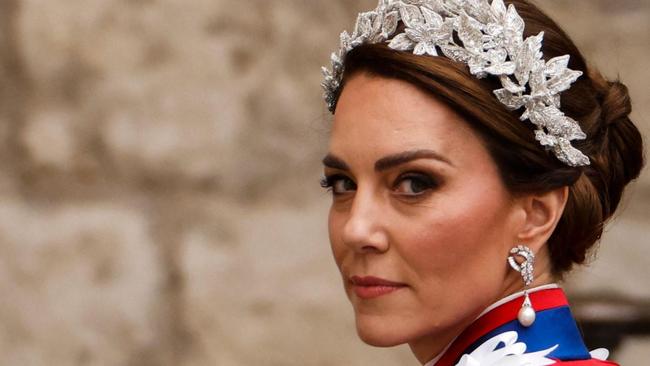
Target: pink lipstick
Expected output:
[371,287]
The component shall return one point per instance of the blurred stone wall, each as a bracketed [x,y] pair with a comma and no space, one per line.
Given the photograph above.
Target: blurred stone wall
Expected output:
[159,199]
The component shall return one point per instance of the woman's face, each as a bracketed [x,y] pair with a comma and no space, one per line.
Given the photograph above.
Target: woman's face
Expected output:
[420,223]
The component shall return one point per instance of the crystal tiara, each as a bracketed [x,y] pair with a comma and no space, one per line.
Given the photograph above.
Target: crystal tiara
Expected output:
[492,43]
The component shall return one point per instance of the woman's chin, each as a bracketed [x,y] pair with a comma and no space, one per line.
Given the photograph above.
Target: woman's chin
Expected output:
[378,340]
[380,334]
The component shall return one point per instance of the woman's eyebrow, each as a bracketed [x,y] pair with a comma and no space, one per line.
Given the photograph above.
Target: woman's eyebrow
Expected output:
[334,162]
[394,160]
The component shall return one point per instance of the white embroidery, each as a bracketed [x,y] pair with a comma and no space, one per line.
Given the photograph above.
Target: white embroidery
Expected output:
[600,354]
[512,354]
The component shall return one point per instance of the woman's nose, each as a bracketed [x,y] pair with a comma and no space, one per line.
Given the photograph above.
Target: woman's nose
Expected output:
[364,230]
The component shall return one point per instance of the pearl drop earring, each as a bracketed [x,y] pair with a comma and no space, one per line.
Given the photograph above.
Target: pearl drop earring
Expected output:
[526,314]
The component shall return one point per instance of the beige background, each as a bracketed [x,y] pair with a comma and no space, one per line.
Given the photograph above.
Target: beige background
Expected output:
[159,199]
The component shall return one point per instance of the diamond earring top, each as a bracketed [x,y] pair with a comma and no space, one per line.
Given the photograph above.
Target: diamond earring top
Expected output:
[491,43]
[526,315]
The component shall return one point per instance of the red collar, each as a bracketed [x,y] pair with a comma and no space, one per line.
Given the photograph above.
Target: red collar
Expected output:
[542,300]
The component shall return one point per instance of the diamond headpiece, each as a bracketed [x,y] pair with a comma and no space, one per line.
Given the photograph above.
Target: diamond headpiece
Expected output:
[493,43]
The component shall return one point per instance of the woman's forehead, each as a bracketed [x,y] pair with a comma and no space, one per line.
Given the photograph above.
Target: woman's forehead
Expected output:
[390,115]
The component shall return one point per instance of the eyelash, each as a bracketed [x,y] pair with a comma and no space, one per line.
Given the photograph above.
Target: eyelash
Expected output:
[428,182]
[329,181]
[326,182]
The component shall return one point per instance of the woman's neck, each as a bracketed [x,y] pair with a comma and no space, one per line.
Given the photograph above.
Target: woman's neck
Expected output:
[430,361]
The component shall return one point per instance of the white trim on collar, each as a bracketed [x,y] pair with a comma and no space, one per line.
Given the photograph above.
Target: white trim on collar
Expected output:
[516,295]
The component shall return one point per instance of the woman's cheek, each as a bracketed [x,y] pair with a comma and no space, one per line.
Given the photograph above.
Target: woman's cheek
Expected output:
[335,227]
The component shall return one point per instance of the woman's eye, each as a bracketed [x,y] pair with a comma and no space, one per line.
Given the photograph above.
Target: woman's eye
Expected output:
[414,184]
[339,184]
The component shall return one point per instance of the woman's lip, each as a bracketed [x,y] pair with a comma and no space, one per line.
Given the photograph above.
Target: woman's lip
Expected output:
[371,287]
[373,281]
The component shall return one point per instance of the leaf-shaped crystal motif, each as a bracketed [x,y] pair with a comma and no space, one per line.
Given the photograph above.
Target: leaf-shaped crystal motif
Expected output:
[488,37]
[411,15]
[498,9]
[390,23]
[432,18]
[402,42]
[469,32]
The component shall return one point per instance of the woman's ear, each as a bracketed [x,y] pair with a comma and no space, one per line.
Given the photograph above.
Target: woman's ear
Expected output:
[542,213]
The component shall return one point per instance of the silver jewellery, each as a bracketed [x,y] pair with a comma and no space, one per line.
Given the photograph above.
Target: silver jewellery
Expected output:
[491,43]
[526,315]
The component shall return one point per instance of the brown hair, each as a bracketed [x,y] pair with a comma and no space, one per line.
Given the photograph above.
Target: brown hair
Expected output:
[602,107]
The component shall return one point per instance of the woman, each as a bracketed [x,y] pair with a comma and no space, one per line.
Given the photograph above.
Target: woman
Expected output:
[473,160]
